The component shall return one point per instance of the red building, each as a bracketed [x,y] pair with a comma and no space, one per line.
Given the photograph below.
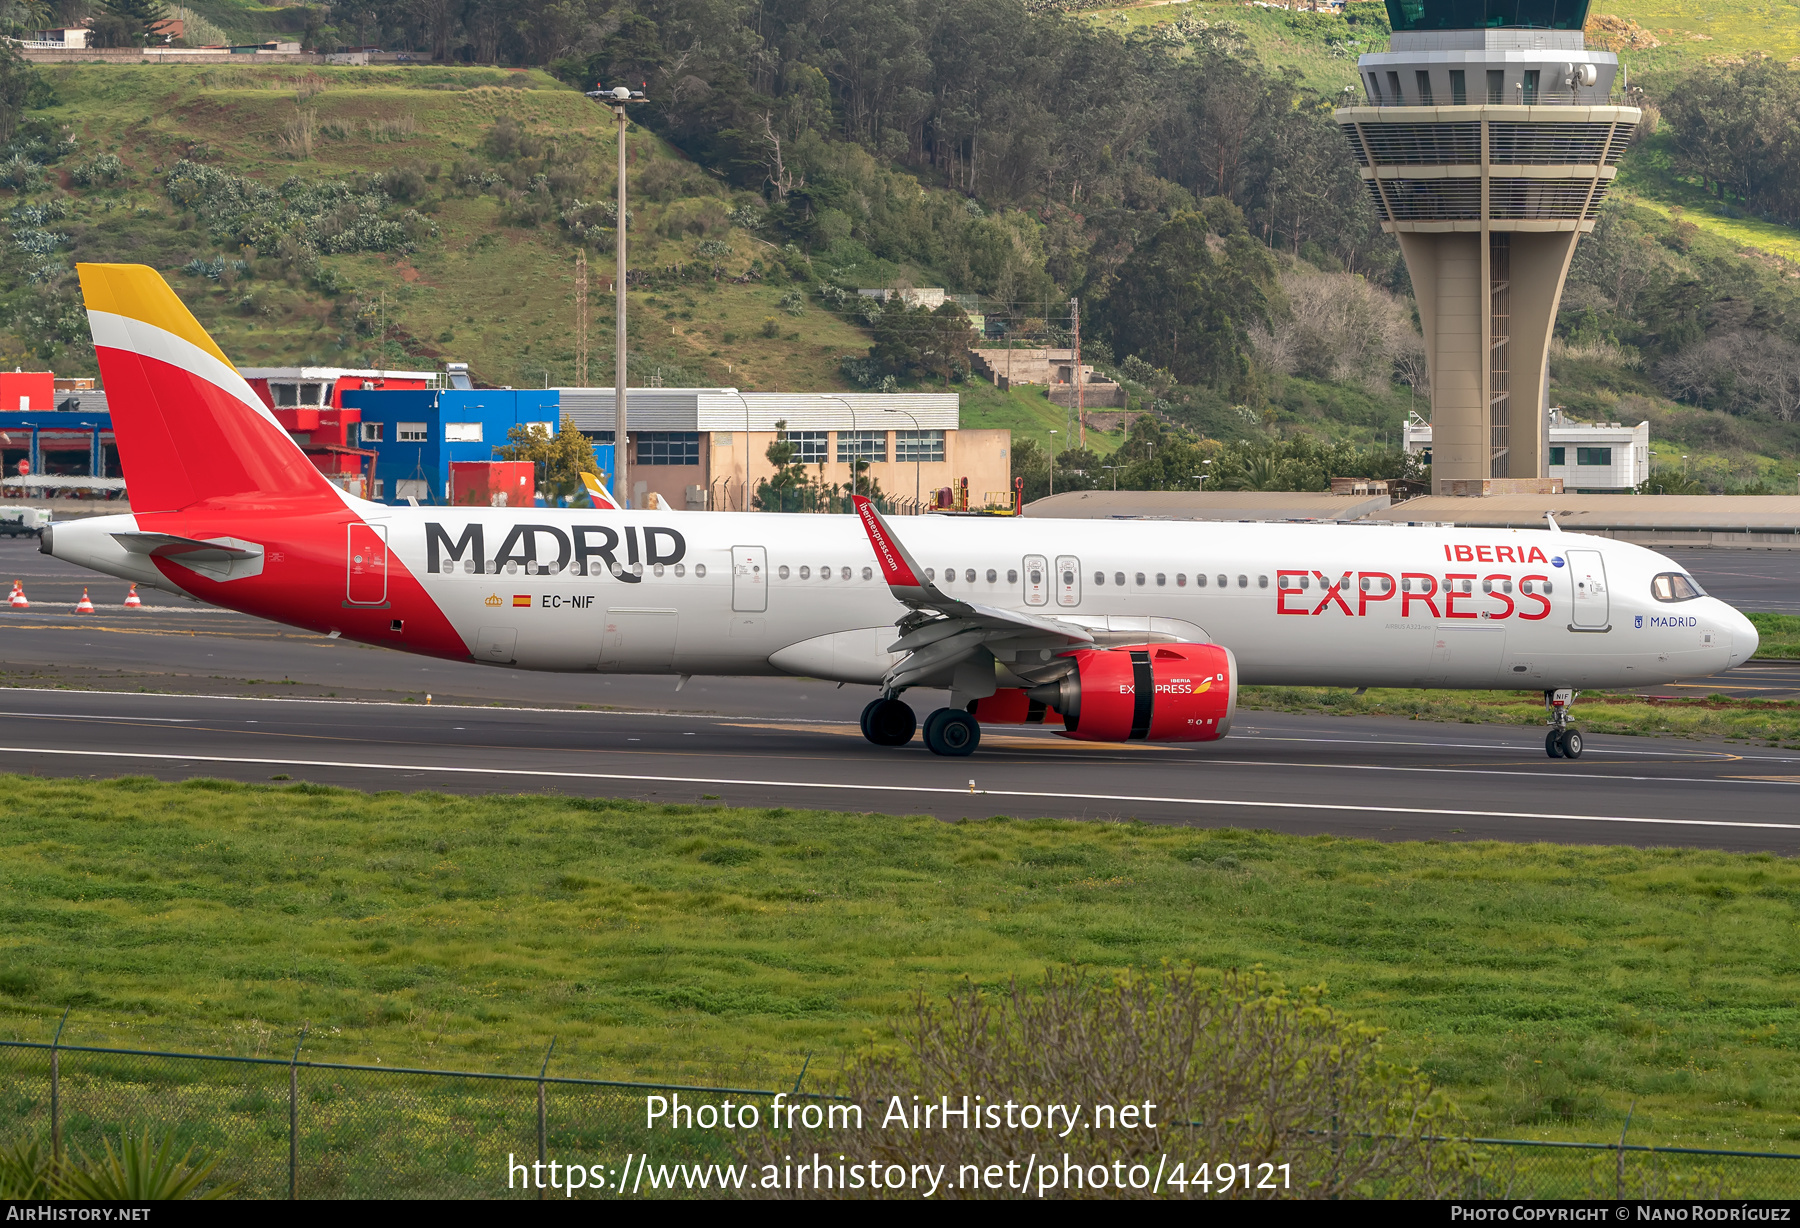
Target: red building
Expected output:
[308,402]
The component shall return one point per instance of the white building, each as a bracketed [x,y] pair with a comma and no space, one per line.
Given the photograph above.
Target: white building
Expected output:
[1589,457]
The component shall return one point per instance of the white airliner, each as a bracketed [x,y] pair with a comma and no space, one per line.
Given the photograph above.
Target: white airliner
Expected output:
[1117,631]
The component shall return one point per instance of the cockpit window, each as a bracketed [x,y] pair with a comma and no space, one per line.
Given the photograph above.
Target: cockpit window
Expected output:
[1675,586]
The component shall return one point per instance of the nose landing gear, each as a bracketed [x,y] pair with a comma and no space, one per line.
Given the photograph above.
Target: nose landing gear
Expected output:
[1562,741]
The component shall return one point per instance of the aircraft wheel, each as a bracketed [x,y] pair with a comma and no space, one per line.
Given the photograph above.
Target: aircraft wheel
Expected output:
[951,732]
[1553,744]
[1570,744]
[888,722]
[867,712]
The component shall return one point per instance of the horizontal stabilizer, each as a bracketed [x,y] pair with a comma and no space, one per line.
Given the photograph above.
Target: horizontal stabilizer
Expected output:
[221,558]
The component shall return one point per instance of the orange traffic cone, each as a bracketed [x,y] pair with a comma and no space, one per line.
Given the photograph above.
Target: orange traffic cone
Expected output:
[17,601]
[132,600]
[84,606]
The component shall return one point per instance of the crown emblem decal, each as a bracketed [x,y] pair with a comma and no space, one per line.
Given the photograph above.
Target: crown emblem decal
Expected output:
[494,599]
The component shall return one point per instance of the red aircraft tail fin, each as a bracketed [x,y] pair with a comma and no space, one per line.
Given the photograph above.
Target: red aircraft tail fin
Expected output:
[189,428]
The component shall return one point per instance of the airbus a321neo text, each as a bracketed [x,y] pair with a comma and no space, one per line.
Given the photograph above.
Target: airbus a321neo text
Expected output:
[1112,631]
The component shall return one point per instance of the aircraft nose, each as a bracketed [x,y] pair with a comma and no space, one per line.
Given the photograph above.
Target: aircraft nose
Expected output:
[1745,639]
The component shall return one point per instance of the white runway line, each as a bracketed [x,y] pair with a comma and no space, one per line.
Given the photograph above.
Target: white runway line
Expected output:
[863,788]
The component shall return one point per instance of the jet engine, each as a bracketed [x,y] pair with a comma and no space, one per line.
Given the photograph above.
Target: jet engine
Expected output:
[1143,692]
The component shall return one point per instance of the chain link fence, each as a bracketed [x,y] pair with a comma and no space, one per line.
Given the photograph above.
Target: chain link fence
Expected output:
[300,1129]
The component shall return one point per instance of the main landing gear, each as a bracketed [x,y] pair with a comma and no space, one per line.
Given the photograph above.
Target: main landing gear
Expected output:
[1562,741]
[948,731]
[888,722]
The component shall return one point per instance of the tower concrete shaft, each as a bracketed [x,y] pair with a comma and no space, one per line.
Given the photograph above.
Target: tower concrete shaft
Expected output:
[1487,153]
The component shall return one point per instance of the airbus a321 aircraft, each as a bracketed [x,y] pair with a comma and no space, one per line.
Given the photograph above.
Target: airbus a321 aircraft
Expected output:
[1114,631]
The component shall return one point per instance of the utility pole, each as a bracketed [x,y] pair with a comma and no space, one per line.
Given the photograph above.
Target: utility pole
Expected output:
[1080,401]
[618,98]
[581,308]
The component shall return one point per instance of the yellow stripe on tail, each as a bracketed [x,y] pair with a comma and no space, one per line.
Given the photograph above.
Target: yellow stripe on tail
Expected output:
[138,292]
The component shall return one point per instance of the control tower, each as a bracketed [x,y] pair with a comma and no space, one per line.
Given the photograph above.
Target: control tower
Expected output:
[1487,142]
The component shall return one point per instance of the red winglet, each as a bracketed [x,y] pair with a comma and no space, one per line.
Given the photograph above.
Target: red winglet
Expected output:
[895,568]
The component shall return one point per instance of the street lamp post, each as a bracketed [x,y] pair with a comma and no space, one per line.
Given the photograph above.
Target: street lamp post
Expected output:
[1115,472]
[1053,464]
[618,98]
[918,444]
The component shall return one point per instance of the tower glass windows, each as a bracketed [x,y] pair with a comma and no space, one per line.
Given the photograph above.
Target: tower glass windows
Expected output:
[1410,15]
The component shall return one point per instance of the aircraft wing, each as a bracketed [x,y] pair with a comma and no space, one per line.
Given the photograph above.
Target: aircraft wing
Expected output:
[939,631]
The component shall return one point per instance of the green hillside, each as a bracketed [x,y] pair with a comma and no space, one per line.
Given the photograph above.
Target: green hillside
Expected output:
[409,215]
[477,277]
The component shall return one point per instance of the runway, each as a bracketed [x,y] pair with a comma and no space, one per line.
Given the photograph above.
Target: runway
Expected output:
[1382,779]
[176,691]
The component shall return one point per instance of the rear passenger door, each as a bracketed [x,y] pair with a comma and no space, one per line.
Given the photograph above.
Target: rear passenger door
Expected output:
[1068,580]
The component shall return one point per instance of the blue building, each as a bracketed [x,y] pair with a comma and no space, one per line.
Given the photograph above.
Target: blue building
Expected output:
[415,435]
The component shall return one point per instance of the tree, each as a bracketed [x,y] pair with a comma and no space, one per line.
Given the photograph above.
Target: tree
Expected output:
[561,458]
[128,23]
[788,489]
[17,82]
[1735,130]
[921,343]
[1185,301]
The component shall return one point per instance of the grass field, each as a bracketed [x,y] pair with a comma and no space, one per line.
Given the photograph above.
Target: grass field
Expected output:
[1547,988]
[1774,722]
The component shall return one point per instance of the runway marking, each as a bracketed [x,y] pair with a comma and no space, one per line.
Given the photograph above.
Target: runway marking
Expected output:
[1223,803]
[1786,780]
[115,719]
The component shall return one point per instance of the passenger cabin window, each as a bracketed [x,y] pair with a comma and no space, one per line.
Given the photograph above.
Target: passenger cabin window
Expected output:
[1674,586]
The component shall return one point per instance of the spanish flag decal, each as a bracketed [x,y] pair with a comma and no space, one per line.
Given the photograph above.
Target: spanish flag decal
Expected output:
[521,599]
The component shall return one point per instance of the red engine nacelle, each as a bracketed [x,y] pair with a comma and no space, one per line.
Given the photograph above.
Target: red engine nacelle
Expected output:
[1012,706]
[1144,692]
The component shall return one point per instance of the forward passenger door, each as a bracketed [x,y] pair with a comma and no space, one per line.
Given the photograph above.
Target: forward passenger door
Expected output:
[1037,579]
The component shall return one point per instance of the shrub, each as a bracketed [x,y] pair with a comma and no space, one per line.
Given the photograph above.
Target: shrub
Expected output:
[1239,1070]
[794,303]
[20,173]
[98,171]
[143,1170]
